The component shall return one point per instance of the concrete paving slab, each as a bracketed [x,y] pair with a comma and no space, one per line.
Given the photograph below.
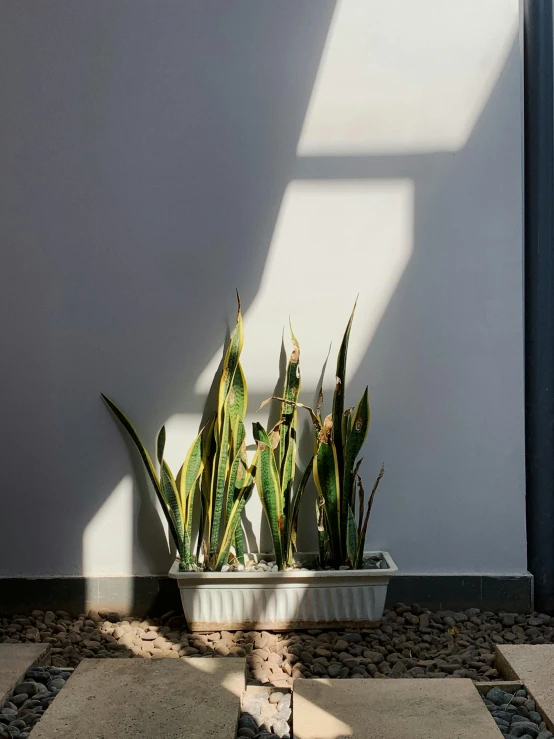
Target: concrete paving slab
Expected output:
[132,698]
[533,665]
[15,660]
[390,709]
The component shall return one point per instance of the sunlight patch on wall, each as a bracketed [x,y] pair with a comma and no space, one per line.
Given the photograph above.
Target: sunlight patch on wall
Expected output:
[383,85]
[181,430]
[108,542]
[333,240]
[104,553]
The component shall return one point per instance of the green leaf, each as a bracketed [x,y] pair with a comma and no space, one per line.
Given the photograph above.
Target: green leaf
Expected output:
[351,538]
[269,489]
[362,533]
[208,454]
[238,464]
[188,477]
[160,444]
[191,470]
[239,543]
[201,526]
[231,359]
[321,538]
[358,427]
[327,480]
[346,416]
[221,469]
[237,399]
[288,423]
[338,397]
[294,509]
[243,496]
[128,426]
[171,497]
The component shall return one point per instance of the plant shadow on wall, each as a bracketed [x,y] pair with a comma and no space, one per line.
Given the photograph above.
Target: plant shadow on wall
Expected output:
[450,216]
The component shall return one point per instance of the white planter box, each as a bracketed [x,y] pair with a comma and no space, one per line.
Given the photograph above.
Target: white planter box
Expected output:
[276,601]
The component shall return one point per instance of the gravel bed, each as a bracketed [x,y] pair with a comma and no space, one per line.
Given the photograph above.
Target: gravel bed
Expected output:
[408,642]
[515,714]
[266,716]
[29,700]
[370,562]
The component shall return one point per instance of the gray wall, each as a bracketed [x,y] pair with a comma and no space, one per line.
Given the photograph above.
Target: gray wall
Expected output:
[156,155]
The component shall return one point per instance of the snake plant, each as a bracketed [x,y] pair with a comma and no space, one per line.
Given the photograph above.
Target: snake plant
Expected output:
[340,494]
[276,468]
[216,464]
[339,439]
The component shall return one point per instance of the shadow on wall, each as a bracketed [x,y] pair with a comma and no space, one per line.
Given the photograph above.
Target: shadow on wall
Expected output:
[147,153]
[153,162]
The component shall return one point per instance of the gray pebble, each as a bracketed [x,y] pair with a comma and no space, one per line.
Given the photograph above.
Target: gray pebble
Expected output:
[248,722]
[39,674]
[31,688]
[18,700]
[521,729]
[496,696]
[504,715]
[352,638]
[56,683]
[246,732]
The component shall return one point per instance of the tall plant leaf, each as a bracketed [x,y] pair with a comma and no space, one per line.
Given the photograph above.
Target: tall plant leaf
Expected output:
[269,488]
[231,359]
[328,482]
[171,498]
[221,468]
[295,508]
[338,397]
[128,426]
[287,445]
[358,428]
[191,470]
[160,444]
[362,533]
[243,495]
[237,400]
[351,538]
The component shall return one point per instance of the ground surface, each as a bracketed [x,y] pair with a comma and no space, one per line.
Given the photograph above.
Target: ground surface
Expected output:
[410,642]
[137,698]
[150,697]
[327,709]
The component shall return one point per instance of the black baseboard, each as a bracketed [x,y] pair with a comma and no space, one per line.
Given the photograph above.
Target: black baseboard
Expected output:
[154,596]
[513,594]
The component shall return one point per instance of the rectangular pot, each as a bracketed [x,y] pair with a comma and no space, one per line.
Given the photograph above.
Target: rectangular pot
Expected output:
[274,601]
